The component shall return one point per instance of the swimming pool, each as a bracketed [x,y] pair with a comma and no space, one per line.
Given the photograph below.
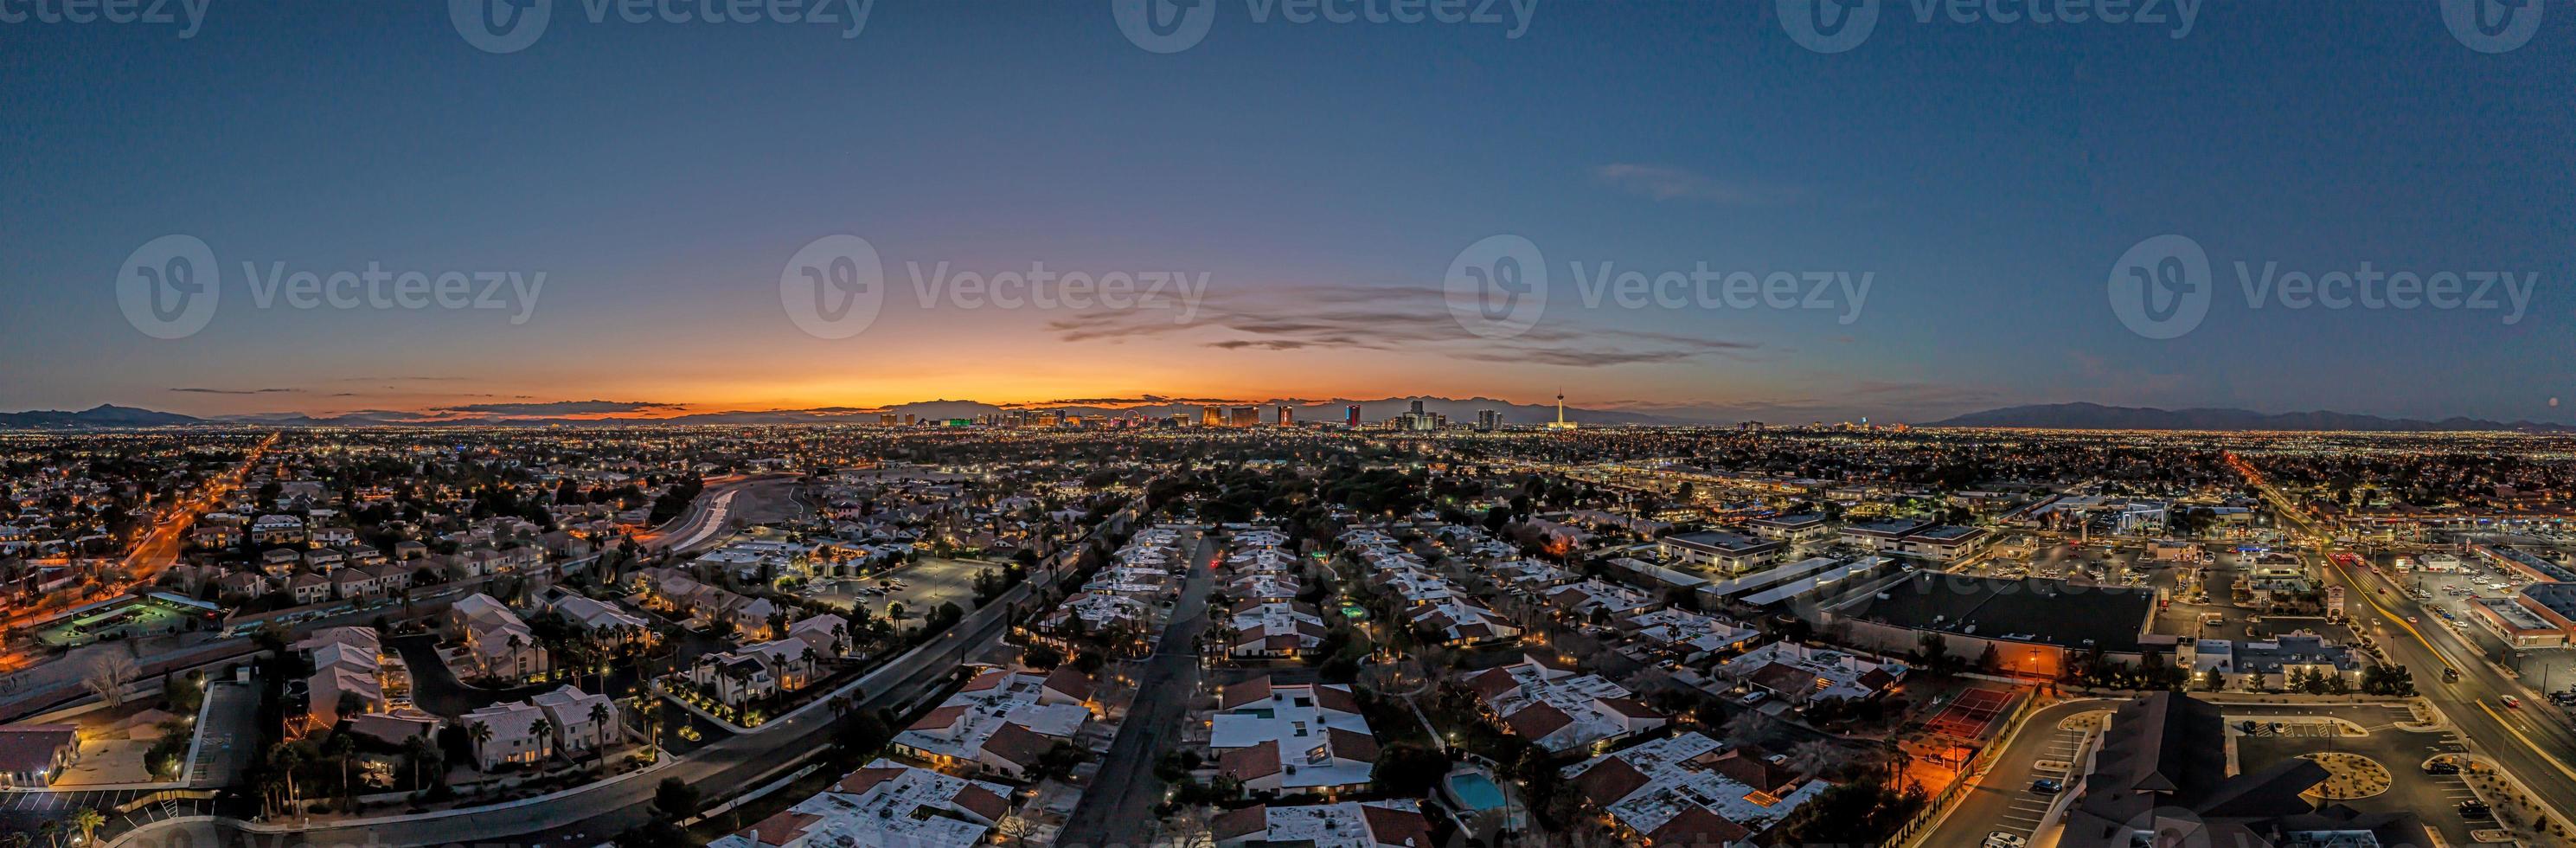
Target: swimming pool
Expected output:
[1476,791]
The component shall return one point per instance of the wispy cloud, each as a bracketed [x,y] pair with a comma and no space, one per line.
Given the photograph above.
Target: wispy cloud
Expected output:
[1663,182]
[1410,318]
[206,391]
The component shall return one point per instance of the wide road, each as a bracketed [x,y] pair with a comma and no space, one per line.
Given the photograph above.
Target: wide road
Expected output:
[2532,743]
[709,515]
[1118,809]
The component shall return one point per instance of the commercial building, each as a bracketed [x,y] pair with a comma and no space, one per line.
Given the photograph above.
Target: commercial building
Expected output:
[1721,552]
[2025,626]
[2160,777]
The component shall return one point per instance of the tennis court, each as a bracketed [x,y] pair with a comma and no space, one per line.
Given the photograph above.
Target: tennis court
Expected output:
[1972,715]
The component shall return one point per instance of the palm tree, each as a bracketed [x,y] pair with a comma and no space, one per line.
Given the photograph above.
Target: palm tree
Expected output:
[344,747]
[88,821]
[515,671]
[480,733]
[599,731]
[544,731]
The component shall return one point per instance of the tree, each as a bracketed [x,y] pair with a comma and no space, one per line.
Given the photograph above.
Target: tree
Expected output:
[1408,769]
[109,673]
[479,733]
[675,799]
[87,821]
[599,731]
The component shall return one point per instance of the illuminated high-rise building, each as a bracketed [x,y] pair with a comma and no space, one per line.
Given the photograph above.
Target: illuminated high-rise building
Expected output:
[1211,416]
[1245,416]
[1489,420]
[1287,415]
[1560,423]
[1351,416]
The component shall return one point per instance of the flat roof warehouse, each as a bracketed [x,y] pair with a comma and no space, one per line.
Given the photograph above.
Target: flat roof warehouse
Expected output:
[2044,611]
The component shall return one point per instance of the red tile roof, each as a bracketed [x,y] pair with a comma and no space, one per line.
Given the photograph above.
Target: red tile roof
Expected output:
[1251,763]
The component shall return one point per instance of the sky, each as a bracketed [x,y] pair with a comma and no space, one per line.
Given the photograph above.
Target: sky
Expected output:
[1300,205]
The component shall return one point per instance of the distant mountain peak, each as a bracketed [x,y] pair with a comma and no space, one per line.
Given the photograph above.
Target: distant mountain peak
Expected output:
[2081,415]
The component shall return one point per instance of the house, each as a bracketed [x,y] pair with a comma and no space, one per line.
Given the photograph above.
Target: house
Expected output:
[509,733]
[308,588]
[752,672]
[279,562]
[354,583]
[581,723]
[278,530]
[1274,630]
[240,585]
[1680,791]
[1348,824]
[602,621]
[32,755]
[498,644]
[1462,622]
[884,803]
[1292,738]
[1601,600]
[1001,723]
[348,668]
[1804,674]
[1558,709]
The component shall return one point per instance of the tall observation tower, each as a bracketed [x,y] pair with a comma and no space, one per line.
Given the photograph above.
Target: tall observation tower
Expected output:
[1560,423]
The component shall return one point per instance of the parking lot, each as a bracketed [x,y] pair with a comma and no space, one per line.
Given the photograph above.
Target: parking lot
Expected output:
[924,585]
[2446,597]
[2434,798]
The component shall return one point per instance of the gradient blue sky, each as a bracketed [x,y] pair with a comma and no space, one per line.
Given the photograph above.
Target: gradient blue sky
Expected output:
[1323,176]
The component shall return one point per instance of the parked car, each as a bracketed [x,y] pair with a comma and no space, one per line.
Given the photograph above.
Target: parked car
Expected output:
[2047,786]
